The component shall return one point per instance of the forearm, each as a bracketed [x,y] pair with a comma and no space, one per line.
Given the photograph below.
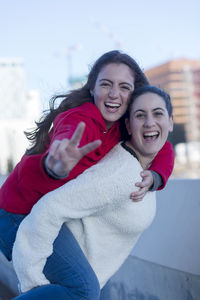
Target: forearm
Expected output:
[157,181]
[163,163]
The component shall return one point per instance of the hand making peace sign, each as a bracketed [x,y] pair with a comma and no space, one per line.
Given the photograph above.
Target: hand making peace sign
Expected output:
[65,154]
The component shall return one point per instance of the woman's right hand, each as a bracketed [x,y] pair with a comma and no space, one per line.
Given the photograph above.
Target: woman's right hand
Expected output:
[65,154]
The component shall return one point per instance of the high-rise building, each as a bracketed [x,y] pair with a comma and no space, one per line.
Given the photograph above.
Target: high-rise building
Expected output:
[19,109]
[181,79]
[12,88]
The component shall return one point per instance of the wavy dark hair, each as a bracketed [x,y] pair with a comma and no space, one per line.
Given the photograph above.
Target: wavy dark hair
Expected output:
[39,137]
[138,92]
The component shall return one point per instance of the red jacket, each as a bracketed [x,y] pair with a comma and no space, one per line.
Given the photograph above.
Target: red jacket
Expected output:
[29,182]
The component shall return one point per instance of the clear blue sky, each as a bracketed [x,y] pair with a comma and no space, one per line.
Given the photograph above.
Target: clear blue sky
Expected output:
[41,31]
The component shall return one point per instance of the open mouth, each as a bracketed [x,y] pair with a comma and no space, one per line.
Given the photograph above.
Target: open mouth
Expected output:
[151,136]
[112,105]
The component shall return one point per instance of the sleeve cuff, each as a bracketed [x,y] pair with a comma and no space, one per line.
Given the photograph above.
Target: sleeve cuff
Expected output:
[157,181]
[51,174]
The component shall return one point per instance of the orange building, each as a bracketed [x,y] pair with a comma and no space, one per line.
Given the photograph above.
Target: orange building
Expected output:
[181,79]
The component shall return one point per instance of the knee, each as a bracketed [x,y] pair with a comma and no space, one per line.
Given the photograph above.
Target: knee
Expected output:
[55,291]
[49,291]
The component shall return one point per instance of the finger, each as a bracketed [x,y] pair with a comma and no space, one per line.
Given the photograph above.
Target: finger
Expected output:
[139,193]
[144,173]
[61,149]
[140,184]
[77,135]
[50,161]
[54,147]
[137,198]
[90,147]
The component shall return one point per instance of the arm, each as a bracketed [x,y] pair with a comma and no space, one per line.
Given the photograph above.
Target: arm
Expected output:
[33,166]
[64,126]
[163,163]
[109,183]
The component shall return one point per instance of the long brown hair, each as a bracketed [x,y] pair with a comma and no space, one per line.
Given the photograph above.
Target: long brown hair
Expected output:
[39,137]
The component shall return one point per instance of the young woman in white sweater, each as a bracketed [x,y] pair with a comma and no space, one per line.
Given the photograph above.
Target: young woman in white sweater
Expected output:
[95,209]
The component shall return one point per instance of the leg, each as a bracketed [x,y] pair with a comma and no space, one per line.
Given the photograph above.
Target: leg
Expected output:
[105,292]
[9,224]
[69,272]
[69,267]
[46,292]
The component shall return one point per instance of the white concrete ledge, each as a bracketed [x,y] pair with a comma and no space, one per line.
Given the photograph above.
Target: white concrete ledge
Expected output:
[173,238]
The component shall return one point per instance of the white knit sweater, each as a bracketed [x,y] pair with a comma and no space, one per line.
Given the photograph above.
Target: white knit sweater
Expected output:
[97,208]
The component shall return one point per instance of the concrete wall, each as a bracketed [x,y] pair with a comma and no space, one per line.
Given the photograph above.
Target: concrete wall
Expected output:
[141,280]
[173,238]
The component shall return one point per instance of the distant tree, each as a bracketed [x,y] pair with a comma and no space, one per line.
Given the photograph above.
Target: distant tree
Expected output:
[178,135]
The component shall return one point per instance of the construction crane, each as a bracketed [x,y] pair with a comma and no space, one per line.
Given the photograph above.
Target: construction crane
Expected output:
[109,33]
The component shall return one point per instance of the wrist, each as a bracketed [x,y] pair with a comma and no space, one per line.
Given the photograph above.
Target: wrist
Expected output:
[53,174]
[157,181]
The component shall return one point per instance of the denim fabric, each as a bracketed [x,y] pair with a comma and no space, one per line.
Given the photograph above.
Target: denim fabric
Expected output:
[67,269]
[69,272]
[9,224]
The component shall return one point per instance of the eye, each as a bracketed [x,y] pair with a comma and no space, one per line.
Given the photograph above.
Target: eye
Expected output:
[125,87]
[140,116]
[158,113]
[105,84]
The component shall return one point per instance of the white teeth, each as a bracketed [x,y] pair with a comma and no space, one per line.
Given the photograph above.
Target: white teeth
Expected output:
[110,104]
[150,134]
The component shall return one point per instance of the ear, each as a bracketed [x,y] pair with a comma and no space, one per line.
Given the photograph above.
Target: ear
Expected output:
[171,124]
[91,93]
[128,126]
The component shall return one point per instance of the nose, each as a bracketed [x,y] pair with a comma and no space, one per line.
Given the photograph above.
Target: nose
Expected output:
[149,121]
[114,93]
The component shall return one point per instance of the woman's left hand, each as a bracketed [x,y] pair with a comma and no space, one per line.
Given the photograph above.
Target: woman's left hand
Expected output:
[144,186]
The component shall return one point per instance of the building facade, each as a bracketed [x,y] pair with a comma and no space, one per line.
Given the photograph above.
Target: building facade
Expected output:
[19,109]
[181,79]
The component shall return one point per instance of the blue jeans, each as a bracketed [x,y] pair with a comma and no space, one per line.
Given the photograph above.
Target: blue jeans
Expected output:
[67,269]
[9,224]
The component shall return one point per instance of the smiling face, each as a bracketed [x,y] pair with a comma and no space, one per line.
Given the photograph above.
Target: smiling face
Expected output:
[149,124]
[112,91]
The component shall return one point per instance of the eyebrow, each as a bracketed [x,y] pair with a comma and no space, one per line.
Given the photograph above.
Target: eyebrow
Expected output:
[131,85]
[142,110]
